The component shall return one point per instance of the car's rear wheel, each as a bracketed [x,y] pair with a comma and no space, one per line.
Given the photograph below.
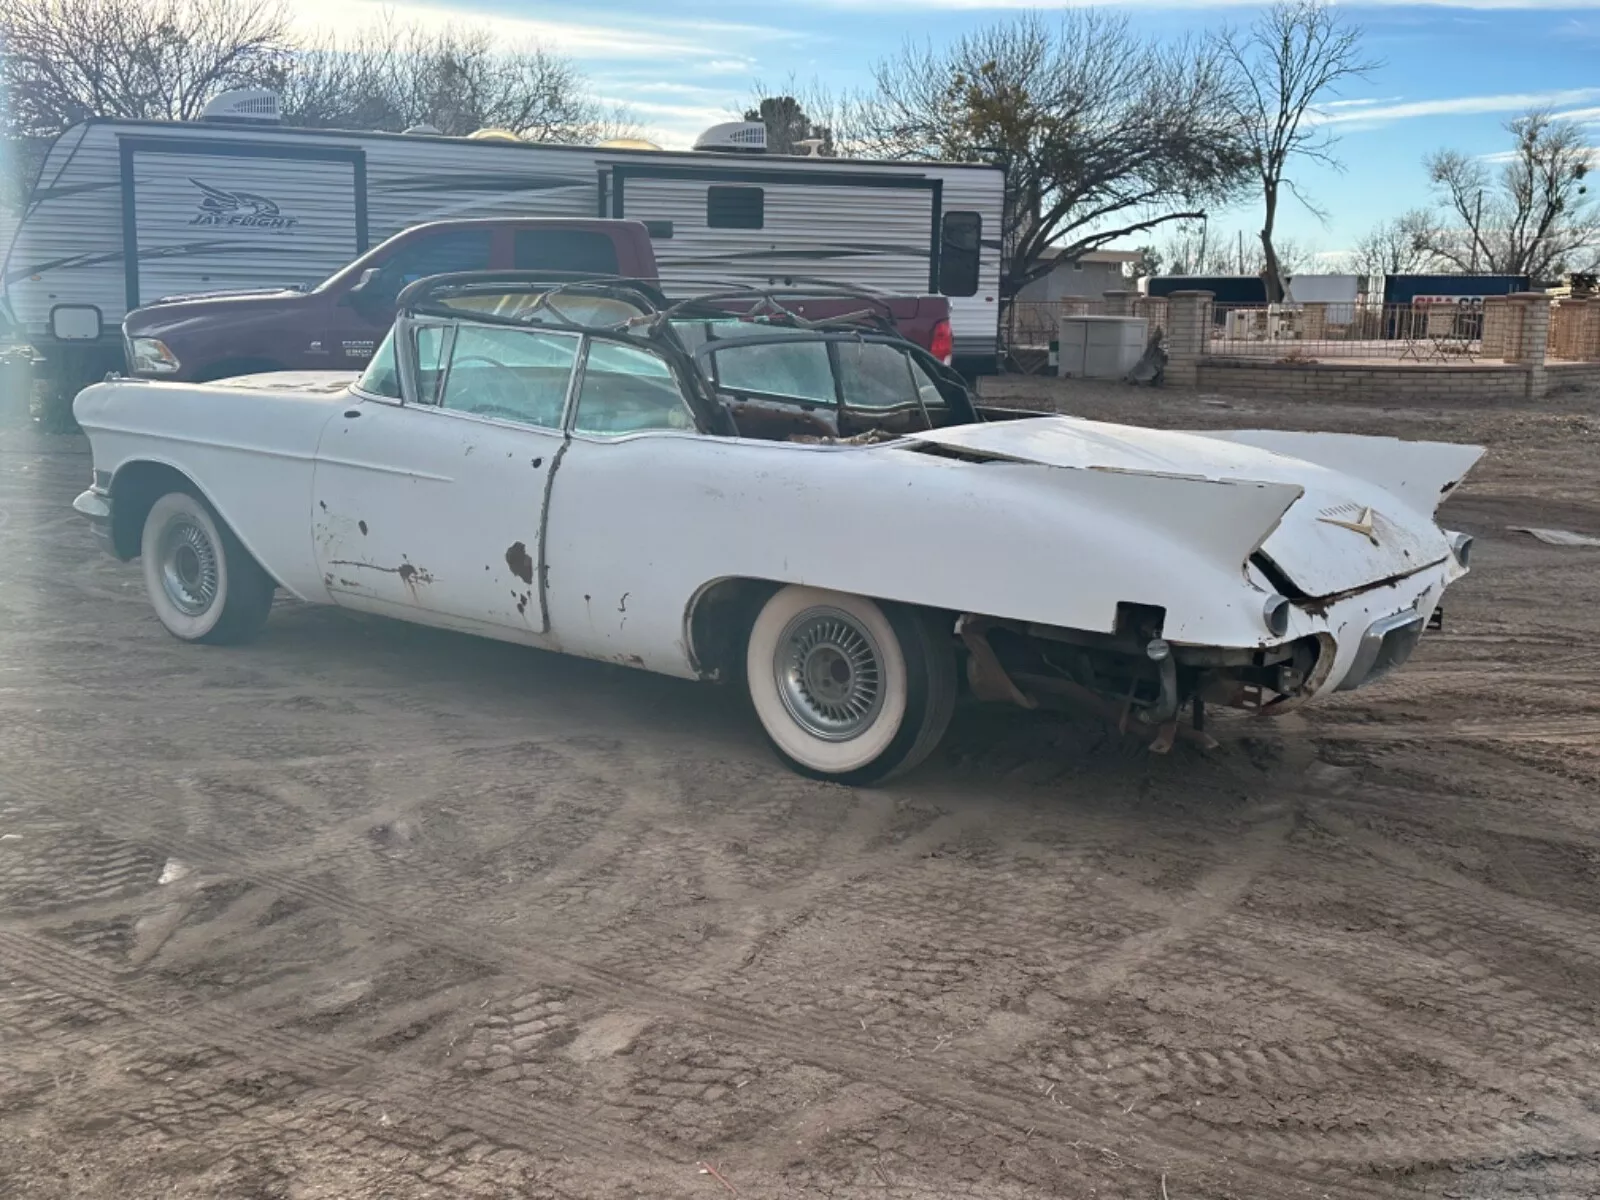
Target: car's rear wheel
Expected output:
[847,689]
[203,584]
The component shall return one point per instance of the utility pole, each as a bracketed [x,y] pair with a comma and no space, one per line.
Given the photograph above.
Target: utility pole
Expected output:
[1241,252]
[1477,224]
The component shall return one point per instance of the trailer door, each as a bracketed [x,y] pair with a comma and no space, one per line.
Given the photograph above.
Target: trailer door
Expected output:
[207,216]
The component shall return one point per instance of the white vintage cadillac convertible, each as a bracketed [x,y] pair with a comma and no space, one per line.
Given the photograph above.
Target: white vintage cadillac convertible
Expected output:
[821,513]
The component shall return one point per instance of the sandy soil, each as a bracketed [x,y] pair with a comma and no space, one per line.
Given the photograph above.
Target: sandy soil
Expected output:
[368,911]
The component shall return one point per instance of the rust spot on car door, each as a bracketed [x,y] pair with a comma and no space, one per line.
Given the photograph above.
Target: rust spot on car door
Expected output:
[520,562]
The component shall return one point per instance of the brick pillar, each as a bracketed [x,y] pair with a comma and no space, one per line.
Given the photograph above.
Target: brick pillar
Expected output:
[1533,309]
[1497,317]
[1589,340]
[1313,321]
[1119,303]
[1188,335]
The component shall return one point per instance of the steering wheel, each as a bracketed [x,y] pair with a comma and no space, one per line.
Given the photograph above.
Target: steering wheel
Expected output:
[489,408]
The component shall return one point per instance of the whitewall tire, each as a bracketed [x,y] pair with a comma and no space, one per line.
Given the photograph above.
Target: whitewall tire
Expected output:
[848,689]
[203,584]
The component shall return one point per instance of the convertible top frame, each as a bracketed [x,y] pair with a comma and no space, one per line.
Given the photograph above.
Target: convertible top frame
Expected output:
[653,324]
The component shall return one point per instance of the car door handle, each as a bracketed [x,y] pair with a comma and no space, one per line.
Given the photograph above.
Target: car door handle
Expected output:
[352,412]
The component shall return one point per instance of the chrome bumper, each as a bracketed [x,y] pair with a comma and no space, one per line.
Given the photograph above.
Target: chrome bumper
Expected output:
[95,505]
[1387,644]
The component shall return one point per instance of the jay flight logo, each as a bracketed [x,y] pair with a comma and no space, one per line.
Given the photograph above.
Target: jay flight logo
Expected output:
[242,209]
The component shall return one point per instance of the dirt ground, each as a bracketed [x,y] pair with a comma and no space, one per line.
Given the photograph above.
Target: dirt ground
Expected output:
[363,911]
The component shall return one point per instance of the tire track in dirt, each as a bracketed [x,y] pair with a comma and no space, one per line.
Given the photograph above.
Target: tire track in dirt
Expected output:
[823,1043]
[508,1120]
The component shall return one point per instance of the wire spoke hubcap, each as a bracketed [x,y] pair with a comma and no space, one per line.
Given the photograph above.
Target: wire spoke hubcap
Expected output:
[189,574]
[829,672]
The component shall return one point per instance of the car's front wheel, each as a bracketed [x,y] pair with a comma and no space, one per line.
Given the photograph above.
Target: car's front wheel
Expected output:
[848,689]
[203,584]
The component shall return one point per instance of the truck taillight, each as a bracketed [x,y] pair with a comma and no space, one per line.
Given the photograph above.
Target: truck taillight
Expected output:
[942,345]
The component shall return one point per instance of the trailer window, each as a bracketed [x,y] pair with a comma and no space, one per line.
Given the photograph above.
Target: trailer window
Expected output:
[959,244]
[588,253]
[736,207]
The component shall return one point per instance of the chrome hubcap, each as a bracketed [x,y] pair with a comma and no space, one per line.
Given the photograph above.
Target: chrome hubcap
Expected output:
[189,574]
[829,673]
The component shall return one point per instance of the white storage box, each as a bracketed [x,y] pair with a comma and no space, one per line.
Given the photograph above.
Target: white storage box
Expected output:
[1101,347]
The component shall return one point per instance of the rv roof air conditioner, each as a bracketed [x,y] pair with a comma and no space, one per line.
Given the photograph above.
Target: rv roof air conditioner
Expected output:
[257,106]
[734,137]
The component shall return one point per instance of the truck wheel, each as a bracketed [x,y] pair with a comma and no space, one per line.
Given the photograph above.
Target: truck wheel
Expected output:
[848,690]
[203,583]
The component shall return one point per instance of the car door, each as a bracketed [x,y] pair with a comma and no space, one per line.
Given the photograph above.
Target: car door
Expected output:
[615,522]
[358,323]
[431,507]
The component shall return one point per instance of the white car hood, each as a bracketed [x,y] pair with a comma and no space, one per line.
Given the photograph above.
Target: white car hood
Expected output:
[1351,527]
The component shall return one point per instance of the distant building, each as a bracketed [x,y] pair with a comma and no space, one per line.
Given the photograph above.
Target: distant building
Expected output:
[1091,274]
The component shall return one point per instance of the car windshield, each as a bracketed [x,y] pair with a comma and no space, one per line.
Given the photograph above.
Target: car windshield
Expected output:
[564,307]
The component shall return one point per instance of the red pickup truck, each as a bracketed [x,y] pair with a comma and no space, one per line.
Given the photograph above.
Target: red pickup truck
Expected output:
[336,324]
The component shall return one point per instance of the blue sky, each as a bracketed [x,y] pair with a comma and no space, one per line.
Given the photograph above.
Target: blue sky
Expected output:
[1452,73]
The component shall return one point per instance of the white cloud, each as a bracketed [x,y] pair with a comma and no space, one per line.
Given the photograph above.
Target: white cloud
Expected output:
[977,5]
[1506,102]
[626,37]
[1362,103]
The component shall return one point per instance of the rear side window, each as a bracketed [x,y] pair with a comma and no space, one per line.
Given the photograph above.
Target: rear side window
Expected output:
[800,371]
[586,252]
[736,207]
[873,375]
[959,244]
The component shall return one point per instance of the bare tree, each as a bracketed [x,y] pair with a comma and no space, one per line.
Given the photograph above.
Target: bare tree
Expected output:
[393,77]
[1294,56]
[1103,133]
[788,126]
[62,61]
[1532,217]
[1397,247]
[1195,250]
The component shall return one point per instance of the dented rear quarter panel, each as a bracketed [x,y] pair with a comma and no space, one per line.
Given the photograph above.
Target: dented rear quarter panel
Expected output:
[638,526]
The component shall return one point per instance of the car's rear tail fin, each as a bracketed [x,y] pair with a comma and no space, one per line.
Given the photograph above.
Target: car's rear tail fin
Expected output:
[1419,473]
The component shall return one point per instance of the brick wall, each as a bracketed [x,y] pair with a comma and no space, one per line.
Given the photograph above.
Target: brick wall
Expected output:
[1399,384]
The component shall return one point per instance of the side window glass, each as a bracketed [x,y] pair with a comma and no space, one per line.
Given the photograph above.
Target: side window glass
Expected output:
[959,245]
[798,371]
[382,376]
[626,390]
[429,343]
[873,375]
[514,374]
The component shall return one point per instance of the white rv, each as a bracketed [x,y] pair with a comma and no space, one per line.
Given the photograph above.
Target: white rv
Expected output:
[125,213]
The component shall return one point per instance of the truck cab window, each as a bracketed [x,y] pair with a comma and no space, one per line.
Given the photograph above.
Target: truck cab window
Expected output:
[960,242]
[459,250]
[586,252]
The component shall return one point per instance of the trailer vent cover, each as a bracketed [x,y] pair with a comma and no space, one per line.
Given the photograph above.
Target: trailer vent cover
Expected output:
[256,105]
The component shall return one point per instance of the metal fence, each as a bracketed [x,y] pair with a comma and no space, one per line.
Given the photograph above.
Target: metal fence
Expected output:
[1034,323]
[1575,331]
[1031,326]
[1387,332]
